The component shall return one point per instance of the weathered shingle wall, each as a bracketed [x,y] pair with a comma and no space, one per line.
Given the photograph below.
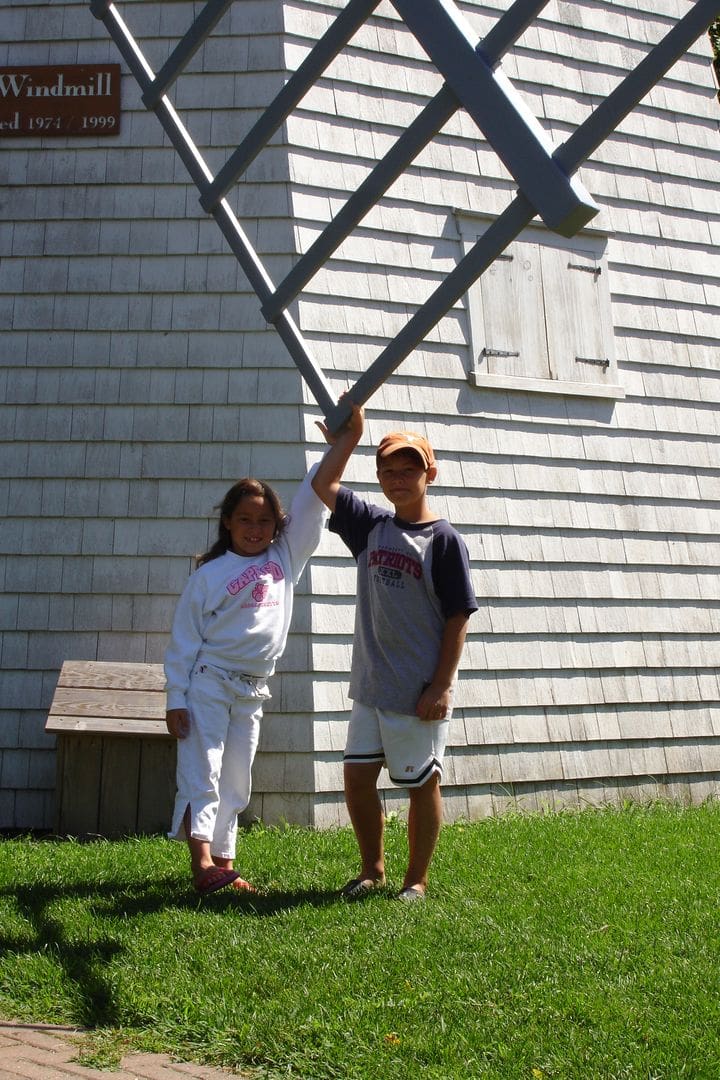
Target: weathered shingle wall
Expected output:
[140,380]
[591,667]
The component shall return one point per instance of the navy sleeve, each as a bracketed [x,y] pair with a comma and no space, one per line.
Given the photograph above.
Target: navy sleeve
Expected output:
[451,572]
[353,520]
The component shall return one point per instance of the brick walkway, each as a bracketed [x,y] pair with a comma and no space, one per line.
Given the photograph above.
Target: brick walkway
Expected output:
[41,1052]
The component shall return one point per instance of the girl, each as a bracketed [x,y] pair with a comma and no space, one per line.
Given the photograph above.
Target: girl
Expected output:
[230,627]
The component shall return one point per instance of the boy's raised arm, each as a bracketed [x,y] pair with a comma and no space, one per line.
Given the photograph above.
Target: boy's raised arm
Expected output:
[326,481]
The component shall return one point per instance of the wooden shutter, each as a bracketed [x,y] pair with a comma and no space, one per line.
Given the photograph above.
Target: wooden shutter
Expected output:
[514,341]
[577,348]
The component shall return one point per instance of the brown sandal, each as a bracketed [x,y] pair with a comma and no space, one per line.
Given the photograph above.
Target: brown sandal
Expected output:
[214,878]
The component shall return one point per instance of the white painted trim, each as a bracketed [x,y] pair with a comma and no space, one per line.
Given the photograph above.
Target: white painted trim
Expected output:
[546,386]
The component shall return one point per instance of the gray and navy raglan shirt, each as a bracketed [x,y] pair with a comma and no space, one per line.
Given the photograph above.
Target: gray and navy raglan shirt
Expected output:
[411,579]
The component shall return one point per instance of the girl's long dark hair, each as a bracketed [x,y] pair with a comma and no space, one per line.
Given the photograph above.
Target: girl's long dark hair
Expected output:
[246,486]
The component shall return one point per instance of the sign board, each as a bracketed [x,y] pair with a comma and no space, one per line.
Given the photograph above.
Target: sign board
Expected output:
[66,99]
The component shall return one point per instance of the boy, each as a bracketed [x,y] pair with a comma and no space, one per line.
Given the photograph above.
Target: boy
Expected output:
[414,600]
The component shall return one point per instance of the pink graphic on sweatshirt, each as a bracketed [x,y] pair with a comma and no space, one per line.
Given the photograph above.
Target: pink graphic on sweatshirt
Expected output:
[255,573]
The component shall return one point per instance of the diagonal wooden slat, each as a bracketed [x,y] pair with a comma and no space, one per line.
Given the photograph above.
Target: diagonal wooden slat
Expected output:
[423,128]
[501,232]
[498,110]
[545,176]
[335,38]
[206,21]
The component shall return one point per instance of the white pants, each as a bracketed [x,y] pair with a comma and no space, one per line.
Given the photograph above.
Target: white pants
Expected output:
[214,760]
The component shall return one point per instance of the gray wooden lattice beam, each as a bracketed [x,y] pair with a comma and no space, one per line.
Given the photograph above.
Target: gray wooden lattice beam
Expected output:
[501,232]
[472,81]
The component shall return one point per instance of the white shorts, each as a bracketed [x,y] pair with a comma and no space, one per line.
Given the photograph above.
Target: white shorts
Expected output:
[412,749]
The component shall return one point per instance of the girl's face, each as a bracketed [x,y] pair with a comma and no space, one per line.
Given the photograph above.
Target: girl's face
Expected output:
[251,525]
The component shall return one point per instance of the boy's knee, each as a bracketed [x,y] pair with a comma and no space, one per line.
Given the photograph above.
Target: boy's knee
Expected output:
[428,790]
[360,776]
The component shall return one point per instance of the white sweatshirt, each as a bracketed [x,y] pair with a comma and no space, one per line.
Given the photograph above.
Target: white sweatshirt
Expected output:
[235,610]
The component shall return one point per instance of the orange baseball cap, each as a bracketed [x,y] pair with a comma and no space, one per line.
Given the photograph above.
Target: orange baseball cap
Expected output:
[406,440]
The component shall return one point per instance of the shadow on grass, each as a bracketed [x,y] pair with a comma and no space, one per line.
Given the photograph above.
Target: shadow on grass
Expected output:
[84,964]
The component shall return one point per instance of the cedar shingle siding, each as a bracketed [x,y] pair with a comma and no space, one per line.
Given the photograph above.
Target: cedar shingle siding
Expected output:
[140,379]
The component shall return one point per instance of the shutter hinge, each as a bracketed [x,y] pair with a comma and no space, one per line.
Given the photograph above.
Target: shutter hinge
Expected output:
[596,360]
[596,271]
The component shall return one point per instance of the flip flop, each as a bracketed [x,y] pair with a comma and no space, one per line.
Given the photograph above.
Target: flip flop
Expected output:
[214,878]
[358,888]
[411,894]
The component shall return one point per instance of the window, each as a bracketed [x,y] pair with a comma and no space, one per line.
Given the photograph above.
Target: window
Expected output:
[540,315]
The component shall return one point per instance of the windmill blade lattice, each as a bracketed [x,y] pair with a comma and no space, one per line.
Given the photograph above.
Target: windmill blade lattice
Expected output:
[473,81]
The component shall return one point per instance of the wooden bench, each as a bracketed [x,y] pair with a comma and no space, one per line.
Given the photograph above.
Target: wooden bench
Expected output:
[115,758]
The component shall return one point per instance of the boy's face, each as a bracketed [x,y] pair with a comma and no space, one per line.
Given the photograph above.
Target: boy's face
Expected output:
[404,478]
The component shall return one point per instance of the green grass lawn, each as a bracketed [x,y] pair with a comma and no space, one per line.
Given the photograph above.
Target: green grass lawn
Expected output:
[581,946]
